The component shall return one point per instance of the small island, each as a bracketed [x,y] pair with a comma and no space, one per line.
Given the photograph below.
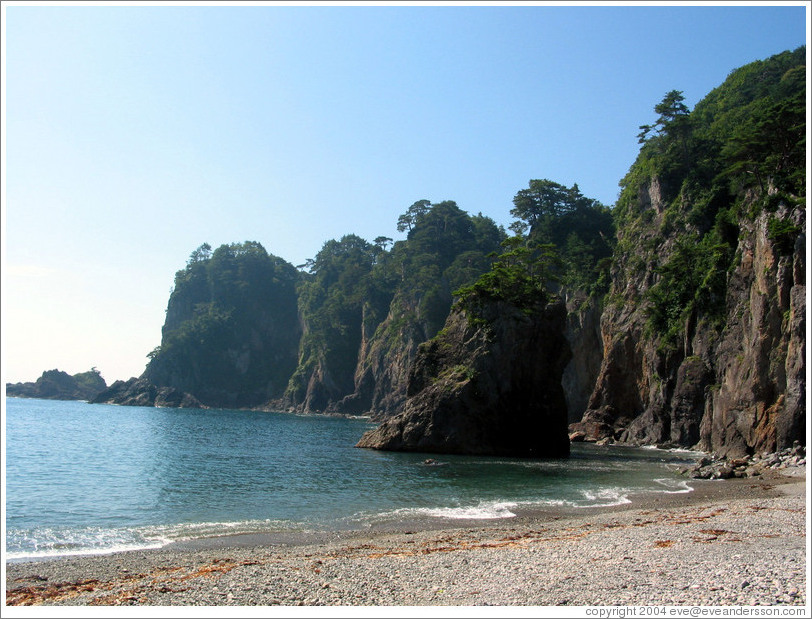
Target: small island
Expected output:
[59,385]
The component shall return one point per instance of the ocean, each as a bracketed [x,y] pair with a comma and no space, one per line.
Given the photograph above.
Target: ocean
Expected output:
[92,478]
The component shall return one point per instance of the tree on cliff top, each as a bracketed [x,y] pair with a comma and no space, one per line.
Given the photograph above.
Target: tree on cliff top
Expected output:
[581,230]
[231,327]
[739,152]
[673,119]
[520,276]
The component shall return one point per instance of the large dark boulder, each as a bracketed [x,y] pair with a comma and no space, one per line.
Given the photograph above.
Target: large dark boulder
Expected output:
[486,387]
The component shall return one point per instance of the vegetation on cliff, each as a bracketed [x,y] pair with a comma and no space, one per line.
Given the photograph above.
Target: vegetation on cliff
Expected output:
[698,263]
[740,151]
[579,230]
[490,388]
[231,327]
[704,328]
[352,286]
[562,240]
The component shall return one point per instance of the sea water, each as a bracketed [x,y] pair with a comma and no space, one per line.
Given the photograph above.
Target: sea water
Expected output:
[93,478]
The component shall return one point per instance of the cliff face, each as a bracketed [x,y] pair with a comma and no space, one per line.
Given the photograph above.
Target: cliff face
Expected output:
[385,357]
[231,329]
[488,390]
[733,391]
[583,334]
[324,375]
[703,331]
[758,398]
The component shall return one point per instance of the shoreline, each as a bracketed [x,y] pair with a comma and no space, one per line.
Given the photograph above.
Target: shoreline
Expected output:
[298,533]
[737,541]
[700,491]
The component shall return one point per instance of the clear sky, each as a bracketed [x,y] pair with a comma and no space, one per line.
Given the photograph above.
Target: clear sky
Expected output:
[133,134]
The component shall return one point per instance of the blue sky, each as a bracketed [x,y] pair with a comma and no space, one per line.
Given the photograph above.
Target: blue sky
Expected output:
[133,134]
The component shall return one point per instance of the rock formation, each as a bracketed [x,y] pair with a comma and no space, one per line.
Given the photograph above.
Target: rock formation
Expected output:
[704,327]
[384,361]
[583,333]
[141,392]
[58,385]
[700,341]
[230,337]
[487,390]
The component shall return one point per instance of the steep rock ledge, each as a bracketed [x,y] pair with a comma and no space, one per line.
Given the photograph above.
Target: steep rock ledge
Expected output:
[486,390]
[386,356]
[757,401]
[584,336]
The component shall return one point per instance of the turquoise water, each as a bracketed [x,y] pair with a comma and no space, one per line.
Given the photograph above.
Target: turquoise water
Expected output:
[84,478]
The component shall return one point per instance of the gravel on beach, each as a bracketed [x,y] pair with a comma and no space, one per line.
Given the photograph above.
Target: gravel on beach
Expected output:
[733,542]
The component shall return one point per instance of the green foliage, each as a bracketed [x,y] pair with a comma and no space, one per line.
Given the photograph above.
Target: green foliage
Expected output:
[692,282]
[352,286]
[749,133]
[413,214]
[456,374]
[782,233]
[90,381]
[331,304]
[581,230]
[231,320]
[519,276]
[445,249]
[741,150]
[673,119]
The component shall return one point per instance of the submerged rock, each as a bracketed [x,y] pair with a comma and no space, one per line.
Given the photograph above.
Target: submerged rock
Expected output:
[488,389]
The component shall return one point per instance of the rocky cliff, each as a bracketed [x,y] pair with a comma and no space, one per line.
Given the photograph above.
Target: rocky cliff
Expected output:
[230,337]
[757,398]
[700,340]
[492,389]
[583,333]
[384,360]
[365,310]
[704,327]
[734,391]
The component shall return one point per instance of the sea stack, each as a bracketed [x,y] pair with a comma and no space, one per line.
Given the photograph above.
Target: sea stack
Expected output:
[490,386]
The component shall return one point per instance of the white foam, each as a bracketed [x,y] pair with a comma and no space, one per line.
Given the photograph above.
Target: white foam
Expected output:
[674,486]
[484,511]
[50,542]
[606,497]
[678,450]
[61,552]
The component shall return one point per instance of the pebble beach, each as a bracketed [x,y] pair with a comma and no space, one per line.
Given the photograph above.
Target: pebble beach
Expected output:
[731,542]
